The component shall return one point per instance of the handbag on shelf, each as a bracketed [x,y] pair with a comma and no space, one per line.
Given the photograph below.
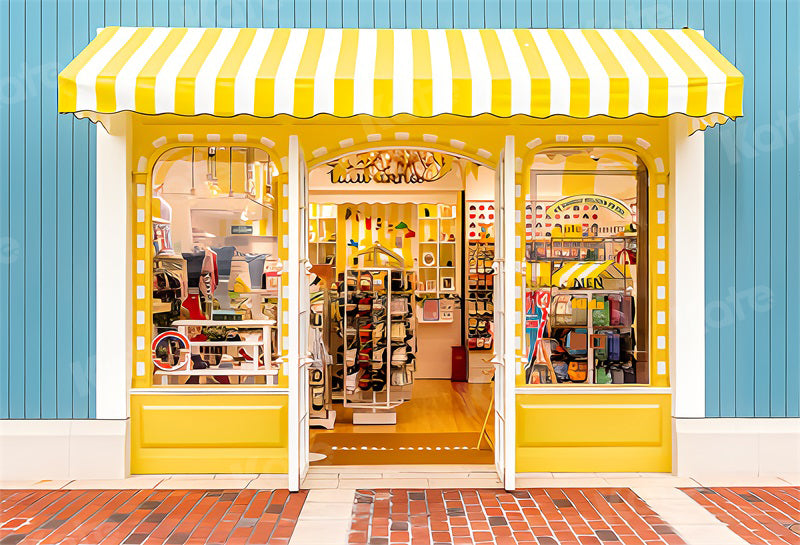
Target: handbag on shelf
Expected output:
[565,312]
[600,311]
[621,310]
[577,371]
[577,342]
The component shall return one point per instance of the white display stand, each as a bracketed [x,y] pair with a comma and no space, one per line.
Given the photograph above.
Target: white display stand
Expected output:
[382,265]
[262,347]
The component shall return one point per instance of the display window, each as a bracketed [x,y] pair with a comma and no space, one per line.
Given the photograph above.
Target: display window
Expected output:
[215,269]
[586,300]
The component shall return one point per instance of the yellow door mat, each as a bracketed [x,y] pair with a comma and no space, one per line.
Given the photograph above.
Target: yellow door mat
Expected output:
[400,448]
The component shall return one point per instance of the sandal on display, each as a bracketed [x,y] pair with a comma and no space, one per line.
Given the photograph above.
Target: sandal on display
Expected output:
[318,398]
[365,381]
[337,380]
[315,378]
[378,381]
[350,382]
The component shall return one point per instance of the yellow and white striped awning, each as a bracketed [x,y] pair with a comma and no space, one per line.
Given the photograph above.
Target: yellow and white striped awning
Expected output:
[384,72]
[584,270]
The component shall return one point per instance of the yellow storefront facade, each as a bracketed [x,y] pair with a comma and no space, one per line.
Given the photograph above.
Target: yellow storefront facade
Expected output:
[497,99]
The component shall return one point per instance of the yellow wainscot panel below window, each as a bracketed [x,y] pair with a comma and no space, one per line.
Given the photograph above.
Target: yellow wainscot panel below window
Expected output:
[174,433]
[593,432]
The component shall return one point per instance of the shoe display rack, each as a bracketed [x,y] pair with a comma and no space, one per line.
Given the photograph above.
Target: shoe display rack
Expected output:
[379,331]
[480,295]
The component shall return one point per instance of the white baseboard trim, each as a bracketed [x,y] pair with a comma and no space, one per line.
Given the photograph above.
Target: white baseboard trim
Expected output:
[736,446]
[64,449]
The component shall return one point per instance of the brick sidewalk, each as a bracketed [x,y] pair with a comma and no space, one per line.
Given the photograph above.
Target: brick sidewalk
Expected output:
[761,516]
[145,517]
[536,516]
[539,516]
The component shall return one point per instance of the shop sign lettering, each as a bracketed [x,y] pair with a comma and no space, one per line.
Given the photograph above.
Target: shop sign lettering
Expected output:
[567,203]
[398,166]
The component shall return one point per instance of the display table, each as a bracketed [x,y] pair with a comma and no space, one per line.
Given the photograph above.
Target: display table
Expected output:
[264,346]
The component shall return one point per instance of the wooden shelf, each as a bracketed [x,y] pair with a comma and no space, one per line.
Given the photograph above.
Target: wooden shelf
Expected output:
[232,323]
[227,343]
[219,373]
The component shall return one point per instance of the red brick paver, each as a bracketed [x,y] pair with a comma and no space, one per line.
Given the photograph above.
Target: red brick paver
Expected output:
[760,516]
[134,517]
[496,517]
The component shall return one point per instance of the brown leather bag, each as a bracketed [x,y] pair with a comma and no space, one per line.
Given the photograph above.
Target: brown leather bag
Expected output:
[577,371]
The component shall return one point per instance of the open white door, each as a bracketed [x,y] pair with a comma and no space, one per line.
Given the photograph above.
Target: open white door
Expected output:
[298,313]
[504,410]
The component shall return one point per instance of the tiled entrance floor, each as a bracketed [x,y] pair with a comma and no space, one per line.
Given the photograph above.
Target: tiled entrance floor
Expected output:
[552,516]
[133,517]
[758,515]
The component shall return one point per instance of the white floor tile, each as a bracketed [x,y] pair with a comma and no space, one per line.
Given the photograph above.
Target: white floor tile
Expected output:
[793,479]
[33,485]
[268,483]
[575,482]
[541,475]
[738,480]
[708,534]
[340,495]
[383,483]
[658,492]
[680,511]
[668,481]
[239,476]
[200,484]
[320,532]
[327,511]
[320,484]
[428,475]
[114,484]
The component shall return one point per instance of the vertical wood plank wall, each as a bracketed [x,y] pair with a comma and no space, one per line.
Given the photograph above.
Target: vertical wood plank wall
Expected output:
[47,178]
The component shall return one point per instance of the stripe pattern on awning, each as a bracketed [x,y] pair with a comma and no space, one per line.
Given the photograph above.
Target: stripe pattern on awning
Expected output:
[571,271]
[385,72]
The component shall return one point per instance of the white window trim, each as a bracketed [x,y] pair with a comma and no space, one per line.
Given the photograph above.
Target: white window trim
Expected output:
[687,270]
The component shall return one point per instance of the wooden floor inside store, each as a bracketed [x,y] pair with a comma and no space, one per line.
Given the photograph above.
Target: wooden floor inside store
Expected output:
[441,424]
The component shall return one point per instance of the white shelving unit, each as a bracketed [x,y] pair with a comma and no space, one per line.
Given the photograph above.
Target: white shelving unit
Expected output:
[322,234]
[262,347]
[439,244]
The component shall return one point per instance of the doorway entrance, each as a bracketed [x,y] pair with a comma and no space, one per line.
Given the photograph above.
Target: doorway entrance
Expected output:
[402,271]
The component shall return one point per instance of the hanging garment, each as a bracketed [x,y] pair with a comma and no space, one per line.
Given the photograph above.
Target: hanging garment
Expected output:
[224,259]
[194,267]
[256,264]
[239,273]
[192,304]
[210,268]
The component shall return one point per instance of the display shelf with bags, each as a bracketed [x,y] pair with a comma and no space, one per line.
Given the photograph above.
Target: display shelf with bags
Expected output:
[589,339]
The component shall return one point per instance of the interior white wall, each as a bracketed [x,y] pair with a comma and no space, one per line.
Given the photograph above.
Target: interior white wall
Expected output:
[687,270]
[113,346]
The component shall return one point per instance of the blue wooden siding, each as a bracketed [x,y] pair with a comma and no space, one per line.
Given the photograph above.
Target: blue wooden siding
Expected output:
[47,247]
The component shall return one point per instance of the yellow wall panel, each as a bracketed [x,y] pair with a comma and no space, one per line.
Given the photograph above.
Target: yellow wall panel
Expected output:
[222,433]
[593,432]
